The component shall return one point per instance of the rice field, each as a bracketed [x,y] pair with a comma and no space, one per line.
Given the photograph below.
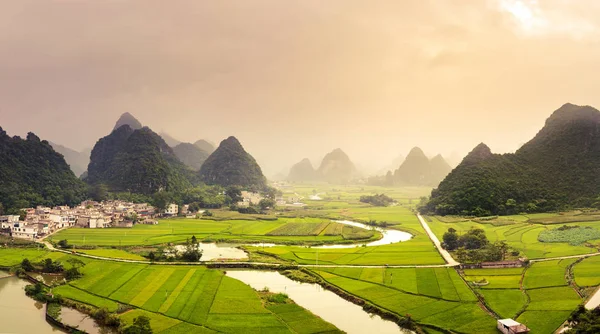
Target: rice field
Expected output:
[419,250]
[112,253]
[13,256]
[519,235]
[295,230]
[181,298]
[434,296]
[529,293]
[587,272]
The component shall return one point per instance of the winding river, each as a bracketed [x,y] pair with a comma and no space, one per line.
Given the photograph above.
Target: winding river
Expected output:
[218,251]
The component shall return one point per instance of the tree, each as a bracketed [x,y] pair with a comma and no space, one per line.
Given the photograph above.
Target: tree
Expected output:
[75,262]
[473,239]
[266,203]
[72,273]
[50,266]
[502,247]
[141,325]
[151,256]
[194,240]
[450,239]
[161,200]
[63,243]
[233,195]
[98,192]
[26,265]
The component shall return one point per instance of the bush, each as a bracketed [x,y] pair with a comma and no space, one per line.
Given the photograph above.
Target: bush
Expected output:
[73,273]
[278,298]
[377,199]
[141,325]
[26,265]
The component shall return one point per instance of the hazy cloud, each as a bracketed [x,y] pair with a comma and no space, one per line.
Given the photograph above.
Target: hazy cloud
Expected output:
[295,79]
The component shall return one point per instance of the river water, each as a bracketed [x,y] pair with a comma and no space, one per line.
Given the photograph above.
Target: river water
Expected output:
[330,307]
[19,313]
[389,236]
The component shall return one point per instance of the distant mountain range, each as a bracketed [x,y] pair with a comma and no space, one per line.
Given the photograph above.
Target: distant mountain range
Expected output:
[78,161]
[169,139]
[418,170]
[336,167]
[32,173]
[191,155]
[557,169]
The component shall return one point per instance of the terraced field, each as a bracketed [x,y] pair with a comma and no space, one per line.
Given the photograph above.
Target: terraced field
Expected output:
[432,296]
[298,230]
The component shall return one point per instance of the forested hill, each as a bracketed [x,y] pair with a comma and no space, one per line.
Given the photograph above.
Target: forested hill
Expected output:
[138,161]
[559,168]
[231,165]
[32,173]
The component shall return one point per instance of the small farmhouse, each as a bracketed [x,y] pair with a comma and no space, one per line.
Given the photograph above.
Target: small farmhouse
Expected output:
[509,326]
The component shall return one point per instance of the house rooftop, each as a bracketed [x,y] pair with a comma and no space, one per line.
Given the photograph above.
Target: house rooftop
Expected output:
[509,322]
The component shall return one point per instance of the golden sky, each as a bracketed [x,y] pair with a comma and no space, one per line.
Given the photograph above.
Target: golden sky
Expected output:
[295,79]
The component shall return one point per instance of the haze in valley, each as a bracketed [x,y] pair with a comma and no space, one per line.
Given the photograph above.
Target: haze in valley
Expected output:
[297,79]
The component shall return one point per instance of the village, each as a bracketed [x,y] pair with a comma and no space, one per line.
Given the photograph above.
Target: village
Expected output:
[40,221]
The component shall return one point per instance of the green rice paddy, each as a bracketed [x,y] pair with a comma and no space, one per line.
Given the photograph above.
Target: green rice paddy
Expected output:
[287,230]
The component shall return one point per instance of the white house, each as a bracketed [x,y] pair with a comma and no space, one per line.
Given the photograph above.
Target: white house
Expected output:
[252,198]
[509,326]
[172,209]
[22,231]
[8,221]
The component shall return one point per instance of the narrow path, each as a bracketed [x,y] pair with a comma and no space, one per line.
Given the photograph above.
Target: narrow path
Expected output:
[445,254]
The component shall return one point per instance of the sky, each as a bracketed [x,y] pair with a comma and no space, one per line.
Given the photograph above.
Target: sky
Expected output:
[299,78]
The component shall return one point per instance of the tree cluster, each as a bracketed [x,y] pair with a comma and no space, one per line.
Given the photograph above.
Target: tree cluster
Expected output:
[377,199]
[473,246]
[584,321]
